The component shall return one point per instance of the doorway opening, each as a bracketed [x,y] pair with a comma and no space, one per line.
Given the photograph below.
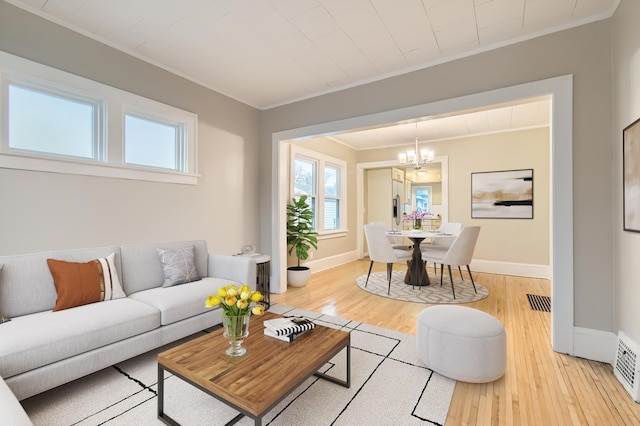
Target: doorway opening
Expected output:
[560,91]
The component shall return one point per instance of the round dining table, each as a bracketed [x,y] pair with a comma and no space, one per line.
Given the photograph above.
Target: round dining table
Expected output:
[417,272]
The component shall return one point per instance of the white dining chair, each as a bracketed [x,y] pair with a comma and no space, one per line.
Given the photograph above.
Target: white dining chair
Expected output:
[459,254]
[392,240]
[381,250]
[453,228]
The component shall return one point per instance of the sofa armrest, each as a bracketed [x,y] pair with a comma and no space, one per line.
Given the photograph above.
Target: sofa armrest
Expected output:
[241,269]
[12,412]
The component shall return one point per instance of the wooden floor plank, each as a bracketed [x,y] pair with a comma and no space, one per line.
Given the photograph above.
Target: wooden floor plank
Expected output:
[540,387]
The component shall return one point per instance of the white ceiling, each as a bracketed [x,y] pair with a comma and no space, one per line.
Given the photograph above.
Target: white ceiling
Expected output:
[526,114]
[272,52]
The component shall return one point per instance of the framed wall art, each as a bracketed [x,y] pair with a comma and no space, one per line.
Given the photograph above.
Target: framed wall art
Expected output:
[631,177]
[502,195]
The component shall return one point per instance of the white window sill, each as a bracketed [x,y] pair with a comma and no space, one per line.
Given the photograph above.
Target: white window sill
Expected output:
[87,169]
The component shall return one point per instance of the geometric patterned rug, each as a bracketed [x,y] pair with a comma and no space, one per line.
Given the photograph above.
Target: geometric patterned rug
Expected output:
[389,386]
[432,294]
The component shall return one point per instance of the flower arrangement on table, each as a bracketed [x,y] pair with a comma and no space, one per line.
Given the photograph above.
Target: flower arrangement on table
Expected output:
[236,311]
[236,301]
[416,216]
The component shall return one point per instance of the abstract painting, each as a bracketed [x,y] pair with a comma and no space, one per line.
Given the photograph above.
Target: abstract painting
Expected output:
[502,195]
[631,176]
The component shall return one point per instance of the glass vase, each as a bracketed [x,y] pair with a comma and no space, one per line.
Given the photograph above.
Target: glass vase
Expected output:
[236,329]
[417,223]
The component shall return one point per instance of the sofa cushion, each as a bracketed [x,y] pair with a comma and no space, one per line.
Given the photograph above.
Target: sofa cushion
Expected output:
[142,270]
[31,341]
[178,266]
[26,284]
[81,283]
[184,301]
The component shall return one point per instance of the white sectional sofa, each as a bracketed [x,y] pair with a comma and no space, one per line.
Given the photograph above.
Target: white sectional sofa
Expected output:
[41,348]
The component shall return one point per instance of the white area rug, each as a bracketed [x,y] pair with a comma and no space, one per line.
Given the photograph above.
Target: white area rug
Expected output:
[434,293]
[389,386]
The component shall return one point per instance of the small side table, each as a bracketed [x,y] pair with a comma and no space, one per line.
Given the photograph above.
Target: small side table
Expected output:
[263,276]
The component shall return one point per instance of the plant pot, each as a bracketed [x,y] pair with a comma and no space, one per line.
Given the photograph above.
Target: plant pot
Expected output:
[298,276]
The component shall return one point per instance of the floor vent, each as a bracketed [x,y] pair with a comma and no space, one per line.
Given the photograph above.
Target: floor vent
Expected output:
[539,303]
[626,366]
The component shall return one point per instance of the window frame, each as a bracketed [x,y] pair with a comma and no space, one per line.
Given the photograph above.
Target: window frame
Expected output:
[115,103]
[414,191]
[321,161]
[338,197]
[98,128]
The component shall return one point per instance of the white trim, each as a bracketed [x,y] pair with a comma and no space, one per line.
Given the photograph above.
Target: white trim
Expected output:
[561,186]
[81,168]
[596,345]
[510,268]
[331,261]
[322,161]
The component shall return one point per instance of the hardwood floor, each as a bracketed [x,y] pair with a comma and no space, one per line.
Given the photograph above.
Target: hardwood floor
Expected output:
[540,386]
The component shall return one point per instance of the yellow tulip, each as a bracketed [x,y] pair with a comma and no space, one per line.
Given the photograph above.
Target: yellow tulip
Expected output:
[244,288]
[243,304]
[230,300]
[258,310]
[212,301]
[222,292]
[256,296]
[245,295]
[232,290]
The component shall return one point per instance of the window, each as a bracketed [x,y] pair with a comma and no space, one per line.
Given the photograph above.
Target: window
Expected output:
[304,183]
[152,143]
[331,198]
[54,121]
[327,195]
[422,197]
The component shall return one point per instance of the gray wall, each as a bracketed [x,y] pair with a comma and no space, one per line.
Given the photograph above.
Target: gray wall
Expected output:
[626,93]
[583,52]
[43,211]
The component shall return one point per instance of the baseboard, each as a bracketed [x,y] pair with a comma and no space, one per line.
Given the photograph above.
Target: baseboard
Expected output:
[596,345]
[488,266]
[331,261]
[510,268]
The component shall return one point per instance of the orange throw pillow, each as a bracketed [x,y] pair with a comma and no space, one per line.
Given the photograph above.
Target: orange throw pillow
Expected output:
[83,283]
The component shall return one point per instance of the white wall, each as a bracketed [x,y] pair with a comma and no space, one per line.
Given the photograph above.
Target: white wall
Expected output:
[626,93]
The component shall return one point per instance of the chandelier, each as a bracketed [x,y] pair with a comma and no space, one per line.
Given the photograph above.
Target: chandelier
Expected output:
[416,159]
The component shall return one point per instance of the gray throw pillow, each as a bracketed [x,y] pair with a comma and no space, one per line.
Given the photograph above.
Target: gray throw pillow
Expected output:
[178,266]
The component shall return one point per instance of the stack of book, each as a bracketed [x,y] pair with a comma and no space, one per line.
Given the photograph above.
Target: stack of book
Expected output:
[288,329]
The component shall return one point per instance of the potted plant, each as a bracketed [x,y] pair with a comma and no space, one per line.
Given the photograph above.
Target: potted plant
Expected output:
[300,238]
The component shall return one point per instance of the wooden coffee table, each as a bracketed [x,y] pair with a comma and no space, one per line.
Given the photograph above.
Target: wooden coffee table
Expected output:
[255,382]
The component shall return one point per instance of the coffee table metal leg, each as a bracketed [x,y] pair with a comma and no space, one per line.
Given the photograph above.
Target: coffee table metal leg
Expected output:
[169,421]
[161,415]
[346,383]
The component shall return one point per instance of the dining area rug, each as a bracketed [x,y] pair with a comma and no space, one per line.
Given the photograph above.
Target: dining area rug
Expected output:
[431,294]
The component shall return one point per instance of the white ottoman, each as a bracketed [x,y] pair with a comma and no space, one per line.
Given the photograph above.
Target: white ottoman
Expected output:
[462,343]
